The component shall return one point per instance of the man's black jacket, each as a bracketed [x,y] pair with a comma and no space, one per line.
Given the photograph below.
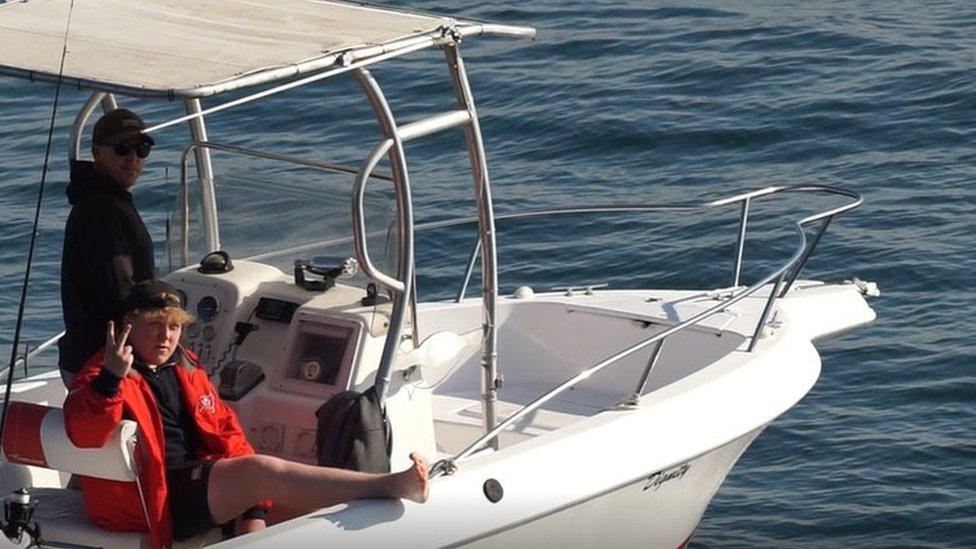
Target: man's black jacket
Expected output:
[106,250]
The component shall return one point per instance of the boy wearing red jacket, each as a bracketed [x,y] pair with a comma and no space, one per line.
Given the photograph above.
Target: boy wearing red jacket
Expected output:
[192,455]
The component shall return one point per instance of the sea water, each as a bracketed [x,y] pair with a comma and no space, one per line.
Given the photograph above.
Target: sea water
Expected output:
[640,102]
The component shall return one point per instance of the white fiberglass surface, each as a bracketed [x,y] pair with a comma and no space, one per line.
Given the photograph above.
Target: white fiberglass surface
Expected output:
[540,345]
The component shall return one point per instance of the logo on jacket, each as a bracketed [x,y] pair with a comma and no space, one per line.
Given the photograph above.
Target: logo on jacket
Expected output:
[206,404]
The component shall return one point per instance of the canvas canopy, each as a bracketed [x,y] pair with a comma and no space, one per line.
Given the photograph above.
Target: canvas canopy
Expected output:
[200,47]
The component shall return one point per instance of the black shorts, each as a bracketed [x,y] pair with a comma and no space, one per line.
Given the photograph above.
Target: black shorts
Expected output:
[187,485]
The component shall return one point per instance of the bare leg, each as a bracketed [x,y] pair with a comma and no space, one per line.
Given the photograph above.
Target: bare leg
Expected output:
[238,483]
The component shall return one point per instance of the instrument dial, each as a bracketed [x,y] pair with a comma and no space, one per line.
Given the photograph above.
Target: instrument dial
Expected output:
[207,308]
[271,437]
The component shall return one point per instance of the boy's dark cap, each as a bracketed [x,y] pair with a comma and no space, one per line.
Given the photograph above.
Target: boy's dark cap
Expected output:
[120,126]
[152,294]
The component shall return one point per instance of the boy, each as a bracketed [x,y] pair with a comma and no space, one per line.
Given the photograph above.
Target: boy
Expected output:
[193,457]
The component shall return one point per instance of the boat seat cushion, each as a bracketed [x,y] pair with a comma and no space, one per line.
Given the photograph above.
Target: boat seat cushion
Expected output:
[61,514]
[36,436]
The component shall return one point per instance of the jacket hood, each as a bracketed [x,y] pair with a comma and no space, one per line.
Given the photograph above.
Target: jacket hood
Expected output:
[85,179]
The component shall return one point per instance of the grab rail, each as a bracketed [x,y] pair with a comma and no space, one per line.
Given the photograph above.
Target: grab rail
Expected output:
[743,199]
[30,354]
[622,208]
[798,259]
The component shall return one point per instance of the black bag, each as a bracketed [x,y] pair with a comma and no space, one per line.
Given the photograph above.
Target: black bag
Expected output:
[354,433]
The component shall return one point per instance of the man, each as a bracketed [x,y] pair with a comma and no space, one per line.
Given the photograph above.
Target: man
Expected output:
[106,245]
[196,468]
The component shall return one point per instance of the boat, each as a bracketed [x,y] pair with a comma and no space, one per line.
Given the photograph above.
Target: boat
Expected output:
[572,416]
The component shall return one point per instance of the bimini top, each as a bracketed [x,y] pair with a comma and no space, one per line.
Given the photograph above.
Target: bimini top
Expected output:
[195,48]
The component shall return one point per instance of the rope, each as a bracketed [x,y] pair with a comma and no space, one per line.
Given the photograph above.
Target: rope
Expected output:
[37,218]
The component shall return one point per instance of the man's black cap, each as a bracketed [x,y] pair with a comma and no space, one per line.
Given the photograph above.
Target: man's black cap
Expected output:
[152,294]
[120,126]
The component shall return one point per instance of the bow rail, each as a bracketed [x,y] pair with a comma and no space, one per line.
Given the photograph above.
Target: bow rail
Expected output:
[782,278]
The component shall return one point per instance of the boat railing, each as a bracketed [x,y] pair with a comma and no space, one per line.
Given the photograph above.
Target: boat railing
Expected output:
[743,200]
[780,278]
[29,354]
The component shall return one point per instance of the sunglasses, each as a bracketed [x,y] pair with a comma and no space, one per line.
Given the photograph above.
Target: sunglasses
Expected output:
[123,149]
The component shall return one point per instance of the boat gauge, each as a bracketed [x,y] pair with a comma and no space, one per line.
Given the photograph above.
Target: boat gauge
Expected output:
[193,330]
[207,308]
[209,333]
[305,444]
[311,370]
[271,437]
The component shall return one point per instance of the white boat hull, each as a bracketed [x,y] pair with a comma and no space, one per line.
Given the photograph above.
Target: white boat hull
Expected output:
[582,471]
[661,510]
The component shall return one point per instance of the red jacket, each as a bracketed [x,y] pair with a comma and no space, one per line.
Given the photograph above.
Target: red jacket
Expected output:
[90,418]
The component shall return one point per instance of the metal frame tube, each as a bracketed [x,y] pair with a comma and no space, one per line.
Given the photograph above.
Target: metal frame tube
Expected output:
[74,150]
[467,273]
[486,230]
[651,362]
[109,103]
[317,164]
[359,220]
[769,307]
[806,256]
[856,201]
[31,353]
[589,210]
[433,124]
[208,197]
[401,186]
[741,243]
[184,216]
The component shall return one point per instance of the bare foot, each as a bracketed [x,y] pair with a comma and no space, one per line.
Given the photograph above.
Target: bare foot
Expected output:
[413,483]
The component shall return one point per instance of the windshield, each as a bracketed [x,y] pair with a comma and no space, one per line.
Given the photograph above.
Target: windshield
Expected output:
[265,206]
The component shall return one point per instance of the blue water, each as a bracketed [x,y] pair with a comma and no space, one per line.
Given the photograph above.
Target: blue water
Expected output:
[652,102]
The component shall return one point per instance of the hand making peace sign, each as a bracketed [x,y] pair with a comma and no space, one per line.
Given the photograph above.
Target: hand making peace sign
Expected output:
[118,355]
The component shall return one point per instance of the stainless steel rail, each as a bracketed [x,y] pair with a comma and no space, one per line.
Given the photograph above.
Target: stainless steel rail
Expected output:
[490,381]
[300,161]
[208,196]
[802,252]
[402,285]
[743,199]
[33,353]
[797,261]
[597,209]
